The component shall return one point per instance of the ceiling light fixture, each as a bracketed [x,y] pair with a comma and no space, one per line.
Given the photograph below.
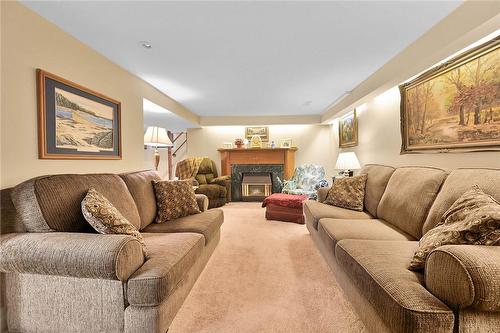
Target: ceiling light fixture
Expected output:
[145,44]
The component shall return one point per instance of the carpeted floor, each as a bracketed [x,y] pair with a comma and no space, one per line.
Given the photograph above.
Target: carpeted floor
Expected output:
[265,276]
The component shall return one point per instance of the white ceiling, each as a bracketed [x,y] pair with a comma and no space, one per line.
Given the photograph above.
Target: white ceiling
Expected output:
[155,115]
[249,58]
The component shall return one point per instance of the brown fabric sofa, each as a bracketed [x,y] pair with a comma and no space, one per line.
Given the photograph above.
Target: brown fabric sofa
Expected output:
[217,189]
[369,252]
[63,277]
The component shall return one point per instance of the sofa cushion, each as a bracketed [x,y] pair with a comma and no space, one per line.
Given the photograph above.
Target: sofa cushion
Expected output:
[170,258]
[378,177]
[106,219]
[206,223]
[174,199]
[52,203]
[459,181]
[378,270]
[314,211]
[140,185]
[348,192]
[212,191]
[408,196]
[334,230]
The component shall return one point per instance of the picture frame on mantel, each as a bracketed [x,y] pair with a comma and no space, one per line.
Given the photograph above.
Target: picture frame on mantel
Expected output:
[75,122]
[348,130]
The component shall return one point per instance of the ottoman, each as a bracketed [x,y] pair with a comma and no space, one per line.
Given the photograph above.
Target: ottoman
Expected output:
[285,207]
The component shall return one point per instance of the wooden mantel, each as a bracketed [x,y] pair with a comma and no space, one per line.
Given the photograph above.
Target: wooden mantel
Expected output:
[284,156]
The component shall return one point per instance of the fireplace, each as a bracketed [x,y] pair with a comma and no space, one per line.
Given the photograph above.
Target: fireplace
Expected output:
[255,186]
[238,171]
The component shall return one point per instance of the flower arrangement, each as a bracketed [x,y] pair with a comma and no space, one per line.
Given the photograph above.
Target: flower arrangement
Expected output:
[238,143]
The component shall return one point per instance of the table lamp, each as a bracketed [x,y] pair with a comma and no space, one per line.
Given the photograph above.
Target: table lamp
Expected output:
[157,137]
[347,162]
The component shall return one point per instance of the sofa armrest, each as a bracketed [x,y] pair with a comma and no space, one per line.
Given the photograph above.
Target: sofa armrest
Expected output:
[465,276]
[322,193]
[222,180]
[202,201]
[112,257]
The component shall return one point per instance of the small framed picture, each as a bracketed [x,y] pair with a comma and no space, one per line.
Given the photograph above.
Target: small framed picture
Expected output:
[286,143]
[75,122]
[227,145]
[348,130]
[261,131]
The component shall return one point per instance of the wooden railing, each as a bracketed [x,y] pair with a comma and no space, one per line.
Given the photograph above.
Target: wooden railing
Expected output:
[171,155]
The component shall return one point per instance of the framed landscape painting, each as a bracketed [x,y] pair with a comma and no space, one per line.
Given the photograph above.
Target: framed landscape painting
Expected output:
[261,131]
[454,106]
[348,130]
[75,122]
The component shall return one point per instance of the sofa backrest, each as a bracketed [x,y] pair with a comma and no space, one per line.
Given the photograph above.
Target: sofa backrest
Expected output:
[458,182]
[53,203]
[140,185]
[9,219]
[408,197]
[378,177]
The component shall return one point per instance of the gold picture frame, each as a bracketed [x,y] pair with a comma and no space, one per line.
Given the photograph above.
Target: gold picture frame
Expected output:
[348,130]
[261,131]
[454,106]
[75,122]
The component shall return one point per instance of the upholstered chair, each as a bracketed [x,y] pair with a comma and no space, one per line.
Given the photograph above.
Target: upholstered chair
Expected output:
[307,179]
[217,189]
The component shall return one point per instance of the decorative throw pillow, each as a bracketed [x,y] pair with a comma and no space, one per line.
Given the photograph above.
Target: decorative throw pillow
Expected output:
[106,219]
[473,219]
[347,193]
[174,199]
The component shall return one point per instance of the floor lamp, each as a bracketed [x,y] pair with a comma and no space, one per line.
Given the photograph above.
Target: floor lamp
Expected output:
[157,137]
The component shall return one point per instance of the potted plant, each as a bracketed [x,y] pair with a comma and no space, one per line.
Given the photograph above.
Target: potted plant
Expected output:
[238,143]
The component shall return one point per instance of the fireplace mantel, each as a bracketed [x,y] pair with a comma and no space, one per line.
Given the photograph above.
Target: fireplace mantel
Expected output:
[282,156]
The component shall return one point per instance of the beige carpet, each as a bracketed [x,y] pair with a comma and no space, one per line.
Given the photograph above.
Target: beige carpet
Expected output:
[265,276]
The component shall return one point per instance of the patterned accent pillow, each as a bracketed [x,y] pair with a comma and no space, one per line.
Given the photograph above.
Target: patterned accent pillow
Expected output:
[174,199]
[473,219]
[347,193]
[106,219]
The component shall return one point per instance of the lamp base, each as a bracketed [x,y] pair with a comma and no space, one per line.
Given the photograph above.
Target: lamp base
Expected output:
[156,158]
[347,173]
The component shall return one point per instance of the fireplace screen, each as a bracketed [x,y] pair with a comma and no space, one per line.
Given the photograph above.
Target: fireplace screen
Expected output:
[256,186]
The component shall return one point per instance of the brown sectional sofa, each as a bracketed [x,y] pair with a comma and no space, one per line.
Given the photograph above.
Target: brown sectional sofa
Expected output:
[369,252]
[63,277]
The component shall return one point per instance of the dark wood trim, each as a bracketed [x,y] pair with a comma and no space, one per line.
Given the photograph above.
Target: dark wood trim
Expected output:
[42,112]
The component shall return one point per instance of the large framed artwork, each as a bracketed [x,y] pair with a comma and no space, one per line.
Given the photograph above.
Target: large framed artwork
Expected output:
[454,106]
[348,130]
[75,122]
[261,131]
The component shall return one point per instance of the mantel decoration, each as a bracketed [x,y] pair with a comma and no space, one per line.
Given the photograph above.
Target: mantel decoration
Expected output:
[75,122]
[262,132]
[256,142]
[239,143]
[348,130]
[286,143]
[455,105]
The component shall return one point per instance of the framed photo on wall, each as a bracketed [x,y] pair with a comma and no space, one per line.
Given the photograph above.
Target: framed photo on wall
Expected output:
[261,131]
[454,106]
[348,130]
[75,122]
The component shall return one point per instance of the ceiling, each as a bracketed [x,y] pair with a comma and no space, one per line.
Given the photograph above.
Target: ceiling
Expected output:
[155,115]
[249,58]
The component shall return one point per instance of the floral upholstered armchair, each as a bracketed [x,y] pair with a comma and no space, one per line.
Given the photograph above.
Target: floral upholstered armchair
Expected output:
[307,179]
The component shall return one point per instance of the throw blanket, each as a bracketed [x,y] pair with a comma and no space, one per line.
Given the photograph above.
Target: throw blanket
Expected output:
[188,168]
[285,200]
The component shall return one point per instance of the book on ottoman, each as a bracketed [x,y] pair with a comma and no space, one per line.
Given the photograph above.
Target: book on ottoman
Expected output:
[285,207]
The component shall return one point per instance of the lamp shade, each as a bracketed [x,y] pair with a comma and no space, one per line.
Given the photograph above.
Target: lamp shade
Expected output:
[157,136]
[347,161]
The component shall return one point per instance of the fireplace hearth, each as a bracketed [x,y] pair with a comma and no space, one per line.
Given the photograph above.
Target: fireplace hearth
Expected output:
[256,186]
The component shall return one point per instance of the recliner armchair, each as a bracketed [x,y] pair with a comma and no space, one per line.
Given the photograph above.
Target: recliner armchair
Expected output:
[306,179]
[217,189]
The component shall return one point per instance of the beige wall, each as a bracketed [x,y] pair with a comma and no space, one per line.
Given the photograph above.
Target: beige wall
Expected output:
[28,42]
[380,139]
[316,143]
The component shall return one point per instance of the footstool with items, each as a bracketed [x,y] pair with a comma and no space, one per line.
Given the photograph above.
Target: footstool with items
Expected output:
[285,207]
